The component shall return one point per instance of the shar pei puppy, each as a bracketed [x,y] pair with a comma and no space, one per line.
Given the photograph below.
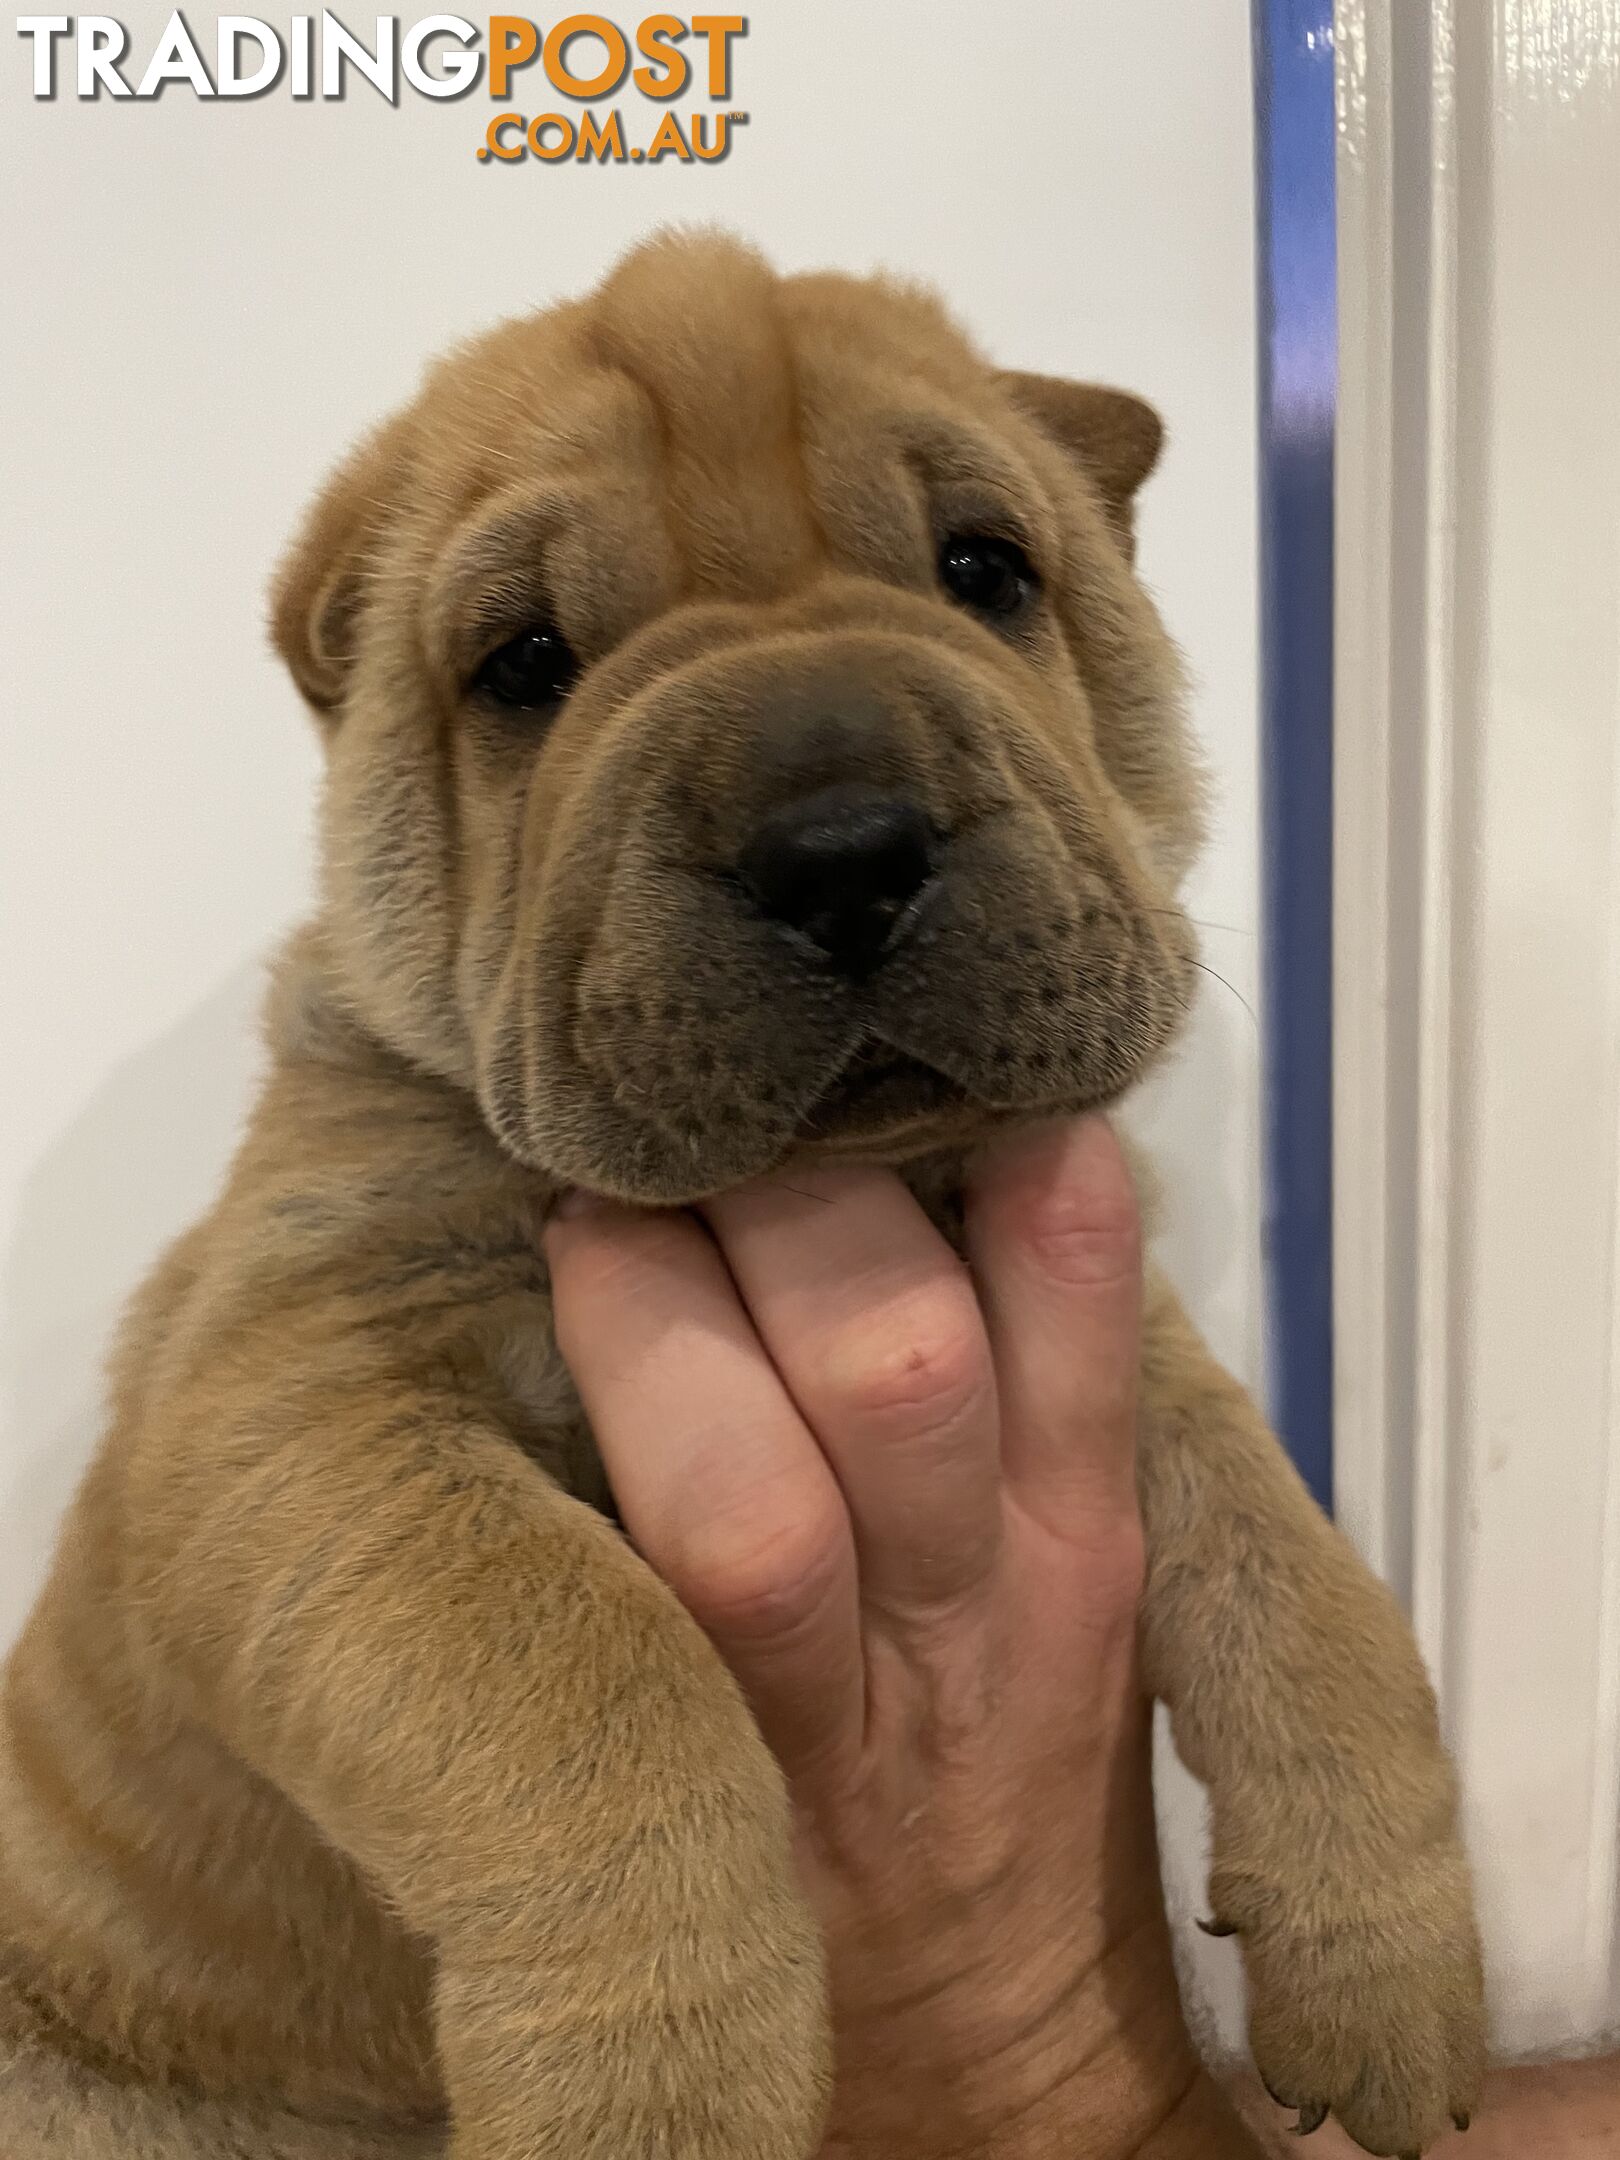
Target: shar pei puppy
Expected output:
[746,739]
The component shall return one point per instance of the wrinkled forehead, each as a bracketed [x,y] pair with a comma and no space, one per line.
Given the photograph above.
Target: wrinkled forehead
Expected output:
[750,430]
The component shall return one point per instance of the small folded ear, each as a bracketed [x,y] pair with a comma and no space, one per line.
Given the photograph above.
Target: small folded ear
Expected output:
[1115,436]
[318,592]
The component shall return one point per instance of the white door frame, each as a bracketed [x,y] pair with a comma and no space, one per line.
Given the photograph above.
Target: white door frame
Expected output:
[1477,929]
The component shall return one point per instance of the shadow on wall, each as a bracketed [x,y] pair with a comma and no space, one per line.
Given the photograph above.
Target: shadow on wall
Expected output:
[141,1161]
[1195,1120]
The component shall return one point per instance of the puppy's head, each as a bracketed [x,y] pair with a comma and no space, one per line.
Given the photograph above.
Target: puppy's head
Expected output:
[746,733]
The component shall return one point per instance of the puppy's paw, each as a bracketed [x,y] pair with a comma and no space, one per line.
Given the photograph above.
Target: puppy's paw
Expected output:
[1366,2001]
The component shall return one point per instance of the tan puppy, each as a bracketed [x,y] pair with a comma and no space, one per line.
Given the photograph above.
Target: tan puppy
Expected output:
[746,735]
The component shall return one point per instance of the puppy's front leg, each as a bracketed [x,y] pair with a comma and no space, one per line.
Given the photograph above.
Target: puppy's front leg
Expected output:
[1297,1694]
[474,1687]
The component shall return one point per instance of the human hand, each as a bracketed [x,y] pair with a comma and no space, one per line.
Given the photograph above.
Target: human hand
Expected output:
[898,1492]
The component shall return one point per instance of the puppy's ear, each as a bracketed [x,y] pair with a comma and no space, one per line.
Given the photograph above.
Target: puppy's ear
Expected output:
[318,594]
[1115,436]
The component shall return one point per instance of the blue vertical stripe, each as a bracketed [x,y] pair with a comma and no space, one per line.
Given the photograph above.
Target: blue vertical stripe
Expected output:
[1294,111]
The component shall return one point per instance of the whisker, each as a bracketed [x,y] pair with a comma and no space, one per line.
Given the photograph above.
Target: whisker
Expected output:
[1204,969]
[1231,929]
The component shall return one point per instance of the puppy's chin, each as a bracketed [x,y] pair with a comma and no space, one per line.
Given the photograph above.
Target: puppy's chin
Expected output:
[664,1107]
[879,1092]
[885,1107]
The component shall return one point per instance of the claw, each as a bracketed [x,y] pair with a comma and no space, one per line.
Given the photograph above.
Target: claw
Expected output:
[1311,2118]
[1220,1929]
[1461,2118]
[1275,2094]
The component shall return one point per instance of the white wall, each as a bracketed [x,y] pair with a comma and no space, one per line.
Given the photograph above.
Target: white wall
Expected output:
[207,301]
[1477,970]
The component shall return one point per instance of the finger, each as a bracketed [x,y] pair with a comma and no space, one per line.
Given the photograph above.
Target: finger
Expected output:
[720,1484]
[1054,1237]
[872,1322]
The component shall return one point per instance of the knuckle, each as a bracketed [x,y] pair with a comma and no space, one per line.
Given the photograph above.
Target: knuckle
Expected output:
[1086,1240]
[1102,1552]
[757,1581]
[916,1370]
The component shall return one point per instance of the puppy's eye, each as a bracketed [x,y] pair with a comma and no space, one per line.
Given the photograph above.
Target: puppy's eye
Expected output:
[993,577]
[529,672]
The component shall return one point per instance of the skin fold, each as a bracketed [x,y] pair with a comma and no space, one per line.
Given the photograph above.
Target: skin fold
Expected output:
[361,1791]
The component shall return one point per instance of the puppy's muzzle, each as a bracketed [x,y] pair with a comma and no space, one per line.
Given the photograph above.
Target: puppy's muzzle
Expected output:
[844,870]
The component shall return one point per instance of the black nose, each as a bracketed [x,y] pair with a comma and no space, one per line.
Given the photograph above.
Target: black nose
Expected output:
[841,867]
